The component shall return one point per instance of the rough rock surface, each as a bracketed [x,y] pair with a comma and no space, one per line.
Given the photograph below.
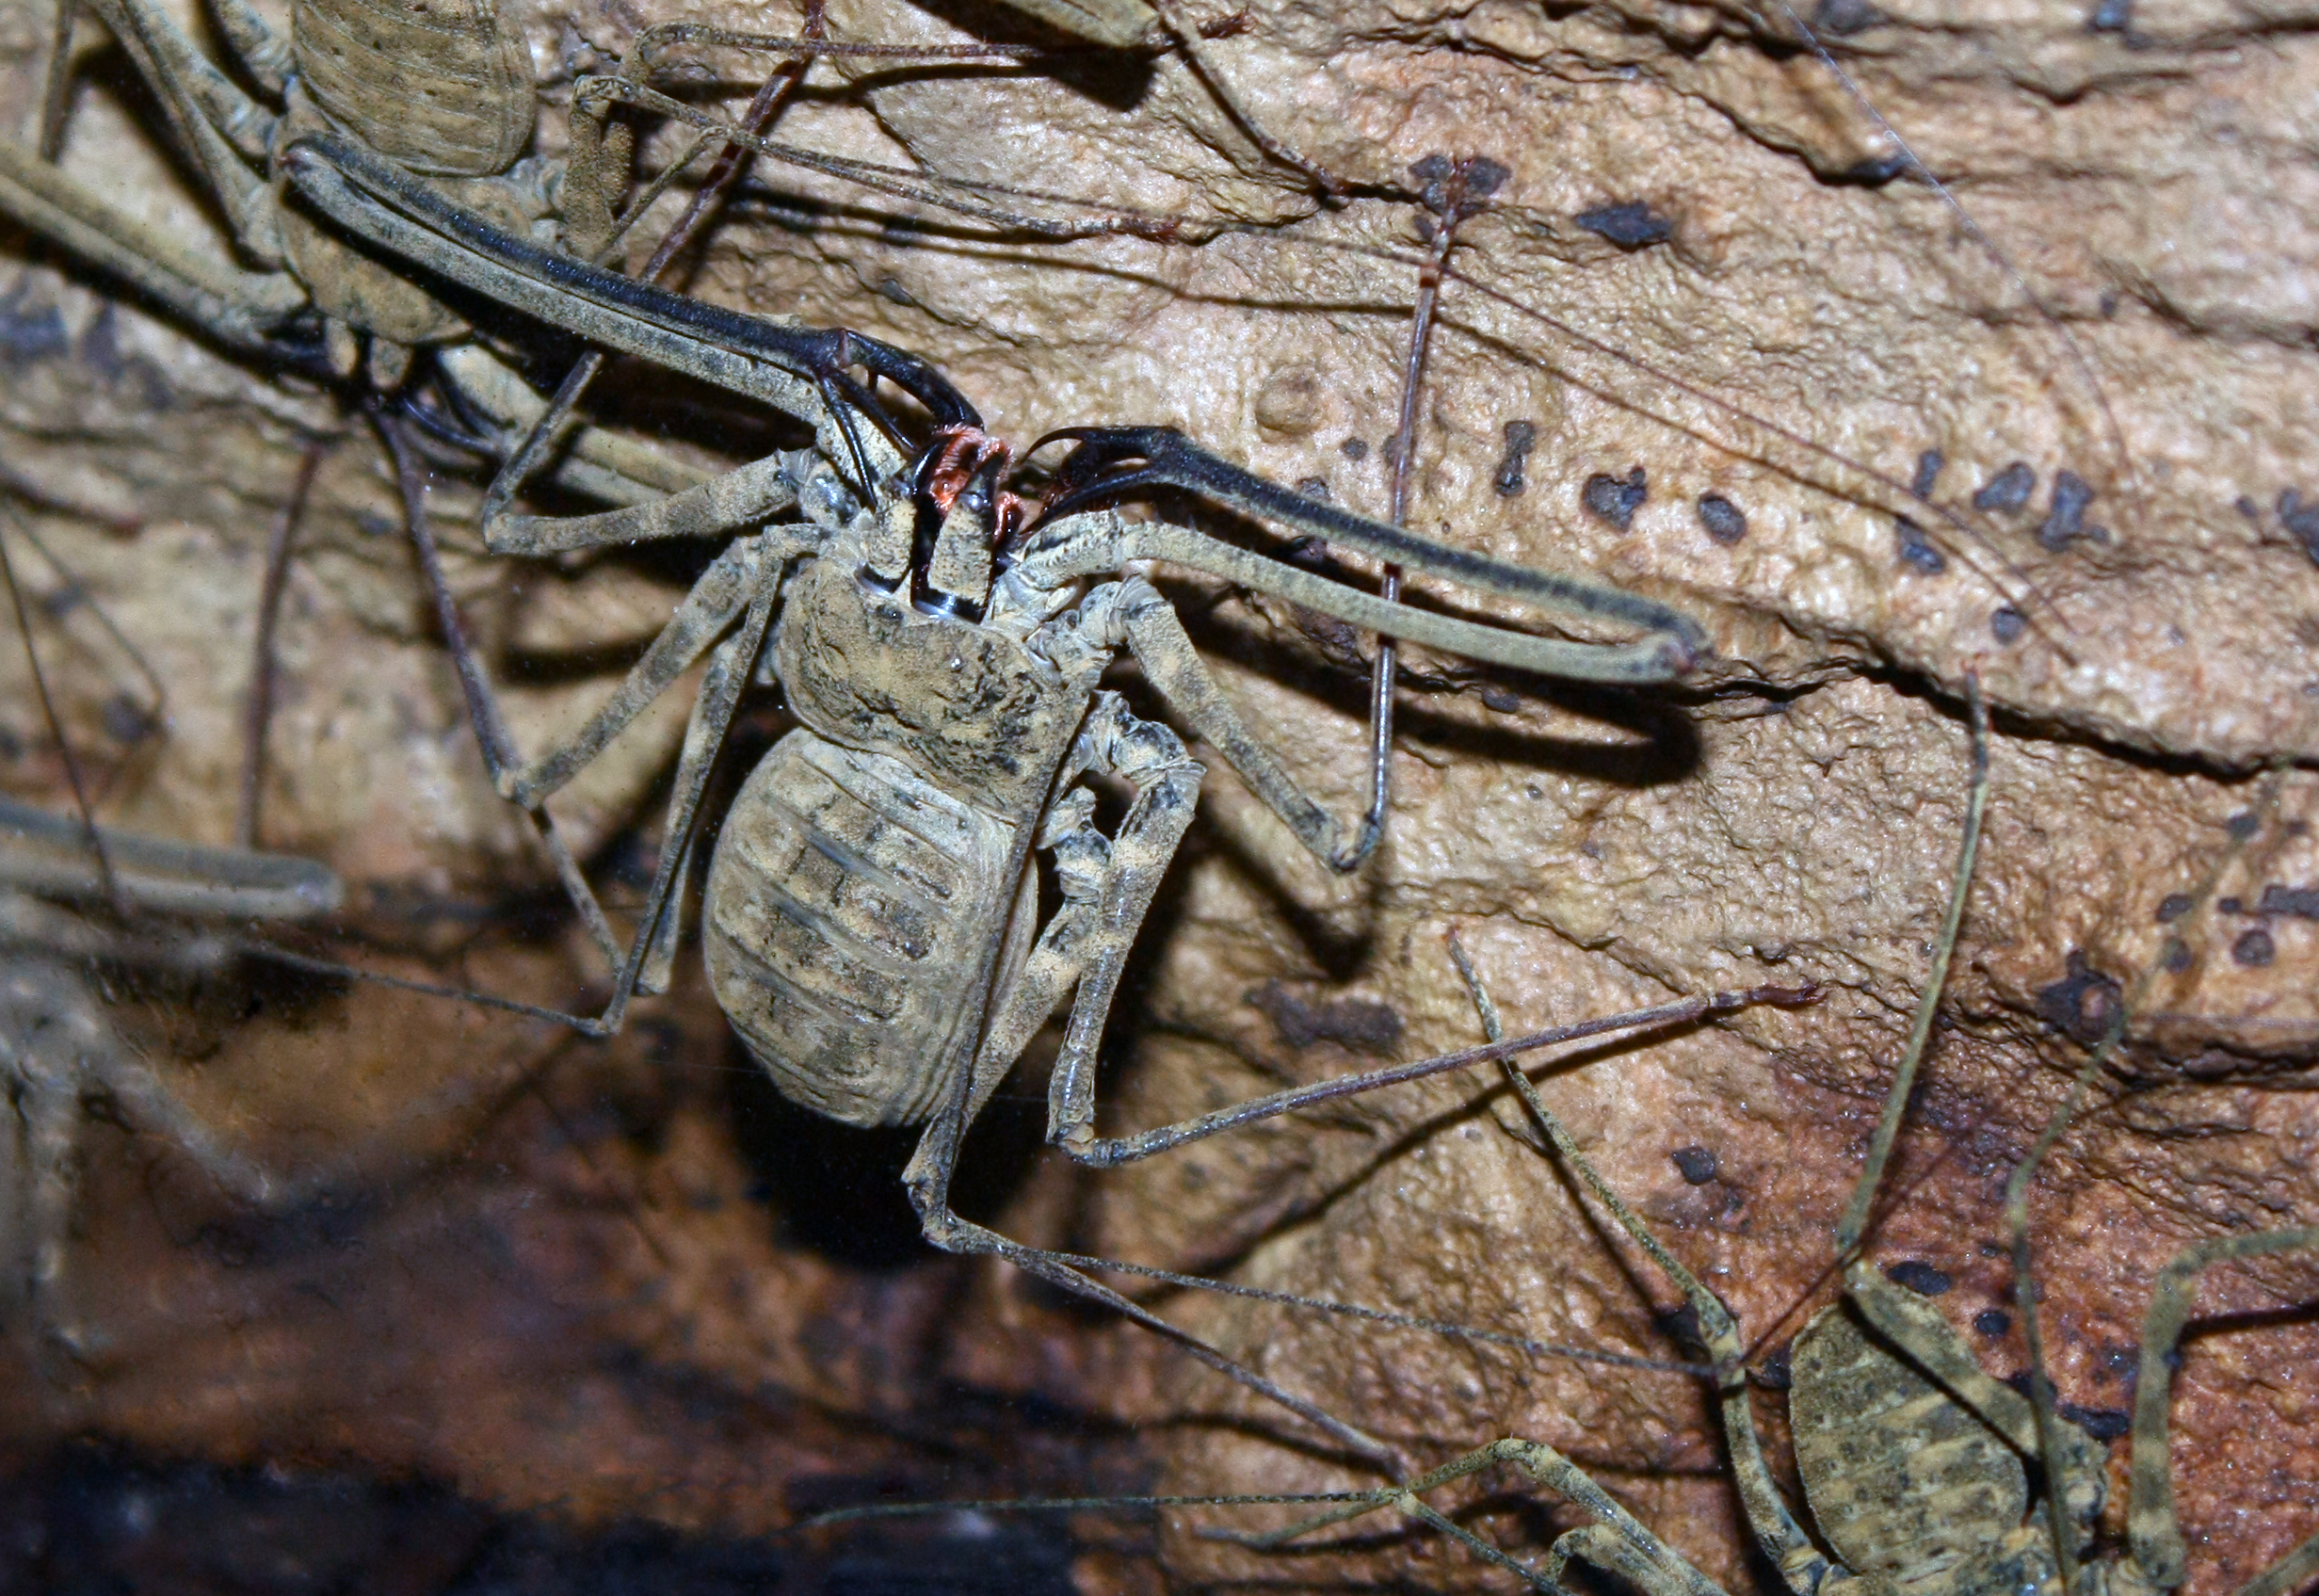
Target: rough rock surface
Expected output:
[1797,344]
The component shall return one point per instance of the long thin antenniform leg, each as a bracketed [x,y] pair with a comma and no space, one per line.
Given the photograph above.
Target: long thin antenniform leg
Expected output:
[1855,1221]
[1454,190]
[2153,1533]
[56,85]
[1617,1540]
[1903,1318]
[1781,1539]
[1220,84]
[258,711]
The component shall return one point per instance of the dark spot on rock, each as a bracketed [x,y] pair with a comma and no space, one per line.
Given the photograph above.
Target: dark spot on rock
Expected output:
[2300,903]
[1521,438]
[2064,523]
[1500,700]
[2172,908]
[1354,449]
[127,720]
[1631,226]
[1843,18]
[1919,1277]
[2082,1004]
[1350,1022]
[2248,508]
[2301,520]
[1726,522]
[2254,949]
[1992,1322]
[1316,488]
[1917,550]
[2111,16]
[2243,825]
[1928,466]
[2175,957]
[62,600]
[2006,625]
[2008,490]
[1696,1164]
[1779,1370]
[1613,500]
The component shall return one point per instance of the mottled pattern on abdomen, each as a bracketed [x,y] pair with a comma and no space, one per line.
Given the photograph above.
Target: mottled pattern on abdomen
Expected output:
[851,912]
[1904,1481]
[437,86]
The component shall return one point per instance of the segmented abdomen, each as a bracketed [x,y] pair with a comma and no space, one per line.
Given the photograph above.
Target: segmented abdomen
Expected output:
[1906,1482]
[850,915]
[438,85]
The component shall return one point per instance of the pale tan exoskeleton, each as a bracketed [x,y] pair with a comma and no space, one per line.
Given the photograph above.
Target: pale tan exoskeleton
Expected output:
[871,909]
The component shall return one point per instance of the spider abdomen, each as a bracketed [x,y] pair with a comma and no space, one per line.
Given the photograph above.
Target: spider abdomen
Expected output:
[436,86]
[850,908]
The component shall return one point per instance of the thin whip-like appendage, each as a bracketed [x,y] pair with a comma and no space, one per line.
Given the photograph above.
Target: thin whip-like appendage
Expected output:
[1219,84]
[904,184]
[1443,1328]
[2017,1186]
[56,729]
[1075,1504]
[1855,1221]
[499,752]
[259,709]
[1494,1028]
[158,714]
[1405,451]
[1974,229]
